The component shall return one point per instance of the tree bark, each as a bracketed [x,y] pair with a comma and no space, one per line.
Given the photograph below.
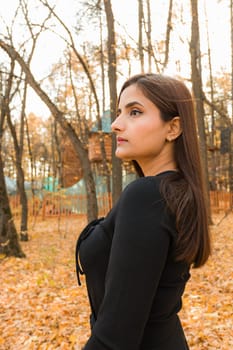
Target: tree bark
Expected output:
[213,163]
[197,88]
[140,36]
[168,34]
[116,163]
[106,166]
[20,180]
[230,171]
[9,244]
[148,32]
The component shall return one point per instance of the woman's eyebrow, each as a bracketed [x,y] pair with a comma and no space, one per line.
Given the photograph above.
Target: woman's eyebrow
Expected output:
[130,104]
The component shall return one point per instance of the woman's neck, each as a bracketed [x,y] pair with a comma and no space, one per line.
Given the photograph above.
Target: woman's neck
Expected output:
[155,169]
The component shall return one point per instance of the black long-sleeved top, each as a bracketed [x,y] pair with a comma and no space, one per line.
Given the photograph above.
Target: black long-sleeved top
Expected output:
[134,284]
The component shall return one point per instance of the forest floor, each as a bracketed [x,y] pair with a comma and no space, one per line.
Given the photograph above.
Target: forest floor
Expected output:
[43,308]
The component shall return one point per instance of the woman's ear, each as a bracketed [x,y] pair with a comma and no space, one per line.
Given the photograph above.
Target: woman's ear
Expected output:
[174,129]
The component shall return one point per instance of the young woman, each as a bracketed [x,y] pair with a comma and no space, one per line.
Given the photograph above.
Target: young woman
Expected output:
[137,259]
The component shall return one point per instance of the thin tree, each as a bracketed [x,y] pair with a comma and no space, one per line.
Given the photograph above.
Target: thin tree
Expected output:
[168,34]
[32,168]
[148,34]
[212,133]
[197,86]
[18,146]
[112,78]
[231,141]
[140,34]
[9,243]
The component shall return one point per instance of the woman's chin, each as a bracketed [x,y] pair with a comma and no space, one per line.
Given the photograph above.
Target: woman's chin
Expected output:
[122,156]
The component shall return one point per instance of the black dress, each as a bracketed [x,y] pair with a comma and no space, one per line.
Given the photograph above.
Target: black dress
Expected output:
[134,284]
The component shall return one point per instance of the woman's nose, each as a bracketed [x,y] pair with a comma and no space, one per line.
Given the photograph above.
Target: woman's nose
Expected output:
[117,125]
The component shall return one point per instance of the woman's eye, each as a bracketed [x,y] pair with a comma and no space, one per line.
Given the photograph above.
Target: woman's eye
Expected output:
[135,112]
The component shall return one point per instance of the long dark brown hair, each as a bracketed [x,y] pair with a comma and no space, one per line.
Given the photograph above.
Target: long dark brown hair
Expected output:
[183,191]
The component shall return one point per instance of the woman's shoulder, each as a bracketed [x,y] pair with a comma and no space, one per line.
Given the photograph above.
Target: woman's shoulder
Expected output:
[147,181]
[150,183]
[143,187]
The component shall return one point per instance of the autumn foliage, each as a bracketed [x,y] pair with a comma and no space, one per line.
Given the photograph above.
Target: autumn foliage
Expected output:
[43,308]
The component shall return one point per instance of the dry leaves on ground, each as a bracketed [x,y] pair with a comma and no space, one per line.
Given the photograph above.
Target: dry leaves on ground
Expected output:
[207,304]
[42,307]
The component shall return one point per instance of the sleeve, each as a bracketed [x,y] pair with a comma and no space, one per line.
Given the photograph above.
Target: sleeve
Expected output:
[137,258]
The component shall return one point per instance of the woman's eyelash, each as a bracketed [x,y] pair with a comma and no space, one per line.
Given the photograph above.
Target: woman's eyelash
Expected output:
[135,112]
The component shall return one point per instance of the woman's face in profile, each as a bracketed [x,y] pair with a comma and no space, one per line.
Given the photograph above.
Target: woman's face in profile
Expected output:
[140,131]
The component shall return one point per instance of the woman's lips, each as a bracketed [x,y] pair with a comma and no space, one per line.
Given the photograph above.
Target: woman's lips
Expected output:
[121,140]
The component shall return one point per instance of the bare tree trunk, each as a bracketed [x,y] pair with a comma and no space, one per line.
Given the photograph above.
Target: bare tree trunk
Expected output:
[148,32]
[9,244]
[231,141]
[102,65]
[32,166]
[116,163]
[140,36]
[56,153]
[168,33]
[197,87]
[212,138]
[18,146]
